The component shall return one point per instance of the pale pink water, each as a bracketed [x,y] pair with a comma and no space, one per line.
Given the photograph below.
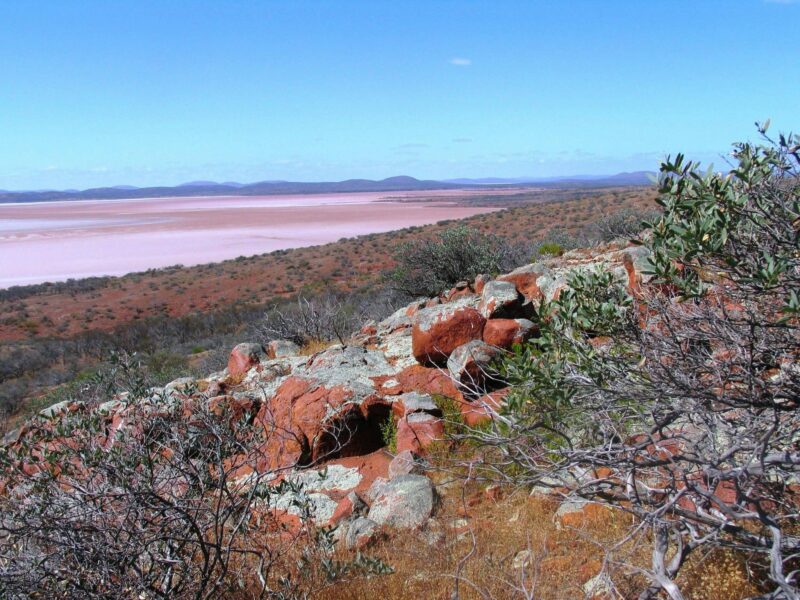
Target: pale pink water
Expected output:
[54,241]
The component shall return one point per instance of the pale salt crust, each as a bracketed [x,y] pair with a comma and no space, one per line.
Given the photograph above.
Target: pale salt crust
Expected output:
[54,241]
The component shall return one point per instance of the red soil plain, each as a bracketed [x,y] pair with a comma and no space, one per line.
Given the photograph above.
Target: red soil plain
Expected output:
[346,264]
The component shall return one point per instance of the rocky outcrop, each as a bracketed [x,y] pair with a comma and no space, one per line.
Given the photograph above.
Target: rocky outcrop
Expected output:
[323,418]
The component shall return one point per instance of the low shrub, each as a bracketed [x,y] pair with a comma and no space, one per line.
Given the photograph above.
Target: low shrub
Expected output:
[428,267]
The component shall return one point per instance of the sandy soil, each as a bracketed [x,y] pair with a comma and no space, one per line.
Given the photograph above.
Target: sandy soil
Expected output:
[54,241]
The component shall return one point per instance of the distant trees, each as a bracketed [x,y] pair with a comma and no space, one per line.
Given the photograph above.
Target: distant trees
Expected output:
[678,406]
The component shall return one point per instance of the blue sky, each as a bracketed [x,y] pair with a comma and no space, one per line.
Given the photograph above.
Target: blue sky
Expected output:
[109,92]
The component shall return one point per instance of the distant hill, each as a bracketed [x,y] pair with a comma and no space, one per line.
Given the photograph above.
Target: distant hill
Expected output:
[265,188]
[633,178]
[211,188]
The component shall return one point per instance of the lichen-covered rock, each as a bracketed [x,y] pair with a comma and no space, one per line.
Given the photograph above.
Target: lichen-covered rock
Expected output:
[329,405]
[525,280]
[441,329]
[282,348]
[500,299]
[470,363]
[414,402]
[243,358]
[406,502]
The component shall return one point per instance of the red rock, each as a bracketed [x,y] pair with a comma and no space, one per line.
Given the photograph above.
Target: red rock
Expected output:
[369,329]
[525,282]
[371,467]
[634,279]
[455,293]
[441,329]
[481,410]
[417,431]
[296,419]
[237,406]
[480,282]
[345,509]
[504,333]
[243,358]
[428,380]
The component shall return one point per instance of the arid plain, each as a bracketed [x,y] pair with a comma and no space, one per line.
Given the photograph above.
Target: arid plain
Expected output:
[55,241]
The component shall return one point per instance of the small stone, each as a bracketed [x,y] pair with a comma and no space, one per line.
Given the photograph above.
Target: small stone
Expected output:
[522,560]
[360,533]
[405,463]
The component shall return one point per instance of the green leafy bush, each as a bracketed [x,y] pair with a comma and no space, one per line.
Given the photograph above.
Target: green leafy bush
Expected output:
[549,249]
[679,408]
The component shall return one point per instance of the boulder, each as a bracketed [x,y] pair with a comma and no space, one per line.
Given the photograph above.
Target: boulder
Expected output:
[180,385]
[360,533]
[504,333]
[500,299]
[282,348]
[525,280]
[469,364]
[404,502]
[431,381]
[55,410]
[417,431]
[439,330]
[414,402]
[243,358]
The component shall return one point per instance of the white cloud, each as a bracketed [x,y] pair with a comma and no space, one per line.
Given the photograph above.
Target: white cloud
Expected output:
[460,62]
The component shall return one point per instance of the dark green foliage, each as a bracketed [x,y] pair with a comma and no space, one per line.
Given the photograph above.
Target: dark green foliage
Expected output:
[429,267]
[739,229]
[688,391]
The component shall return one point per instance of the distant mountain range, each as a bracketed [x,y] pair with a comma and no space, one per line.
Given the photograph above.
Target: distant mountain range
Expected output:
[264,188]
[634,178]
